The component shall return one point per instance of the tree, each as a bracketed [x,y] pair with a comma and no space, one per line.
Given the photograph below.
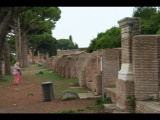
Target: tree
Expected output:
[149,19]
[110,39]
[65,44]
[40,35]
[6,15]
[14,17]
[34,21]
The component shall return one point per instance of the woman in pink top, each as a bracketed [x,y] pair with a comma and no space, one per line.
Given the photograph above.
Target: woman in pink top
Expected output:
[16,73]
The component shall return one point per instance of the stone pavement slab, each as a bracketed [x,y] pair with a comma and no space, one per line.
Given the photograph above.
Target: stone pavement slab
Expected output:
[87,95]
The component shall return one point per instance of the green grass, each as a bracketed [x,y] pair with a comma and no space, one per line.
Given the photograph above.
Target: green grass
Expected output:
[71,111]
[106,100]
[67,112]
[95,107]
[30,94]
[100,103]
[59,83]
[6,78]
[52,76]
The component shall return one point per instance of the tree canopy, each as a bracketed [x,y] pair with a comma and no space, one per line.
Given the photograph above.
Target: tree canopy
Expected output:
[110,39]
[150,19]
[65,44]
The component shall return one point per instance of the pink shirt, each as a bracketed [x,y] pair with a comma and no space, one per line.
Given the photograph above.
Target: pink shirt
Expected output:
[15,70]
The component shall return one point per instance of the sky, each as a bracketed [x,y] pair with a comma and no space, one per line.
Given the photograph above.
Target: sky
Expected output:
[84,23]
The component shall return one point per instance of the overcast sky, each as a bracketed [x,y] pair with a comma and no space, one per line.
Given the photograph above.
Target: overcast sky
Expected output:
[84,23]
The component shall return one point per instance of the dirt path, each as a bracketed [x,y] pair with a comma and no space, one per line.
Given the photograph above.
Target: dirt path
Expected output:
[27,97]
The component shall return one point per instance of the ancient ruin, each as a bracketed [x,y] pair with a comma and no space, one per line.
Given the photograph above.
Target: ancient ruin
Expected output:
[132,70]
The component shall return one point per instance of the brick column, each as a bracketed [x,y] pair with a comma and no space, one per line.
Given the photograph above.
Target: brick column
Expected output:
[125,82]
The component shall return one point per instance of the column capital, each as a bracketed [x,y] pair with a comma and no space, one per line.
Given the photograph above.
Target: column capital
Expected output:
[128,21]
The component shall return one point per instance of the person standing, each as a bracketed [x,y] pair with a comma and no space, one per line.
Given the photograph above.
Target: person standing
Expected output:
[16,73]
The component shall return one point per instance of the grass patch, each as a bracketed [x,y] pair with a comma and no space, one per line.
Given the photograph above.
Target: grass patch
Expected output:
[95,107]
[99,103]
[30,94]
[80,110]
[59,83]
[71,111]
[67,112]
[75,84]
[6,78]
[106,100]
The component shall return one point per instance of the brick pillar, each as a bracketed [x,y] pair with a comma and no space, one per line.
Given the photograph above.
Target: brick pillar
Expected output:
[63,72]
[125,82]
[68,72]
[82,78]
[97,84]
[73,72]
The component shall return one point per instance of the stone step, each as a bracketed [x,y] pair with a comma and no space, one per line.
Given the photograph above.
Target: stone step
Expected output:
[112,108]
[87,95]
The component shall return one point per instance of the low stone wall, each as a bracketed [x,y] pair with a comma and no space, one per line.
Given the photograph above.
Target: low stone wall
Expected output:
[69,52]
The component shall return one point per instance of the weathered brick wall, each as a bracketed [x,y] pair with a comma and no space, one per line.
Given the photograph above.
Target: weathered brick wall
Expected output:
[96,75]
[69,52]
[146,53]
[54,63]
[86,67]
[92,68]
[49,63]
[111,66]
[123,90]
[61,66]
[80,65]
[97,84]
[111,93]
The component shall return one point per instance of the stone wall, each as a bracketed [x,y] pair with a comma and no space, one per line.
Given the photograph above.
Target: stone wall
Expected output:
[86,67]
[146,54]
[111,66]
[69,52]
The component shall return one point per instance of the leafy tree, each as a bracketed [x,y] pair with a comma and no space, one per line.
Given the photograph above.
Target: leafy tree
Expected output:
[44,43]
[22,20]
[36,21]
[65,44]
[42,21]
[110,39]
[6,14]
[149,19]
